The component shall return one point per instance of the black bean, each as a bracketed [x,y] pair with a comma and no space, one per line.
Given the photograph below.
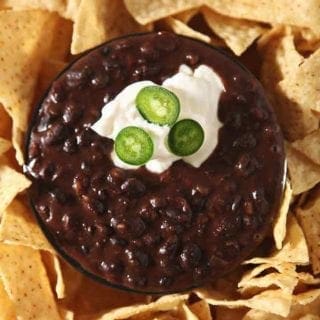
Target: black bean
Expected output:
[148,214]
[166,42]
[100,80]
[133,186]
[72,112]
[246,141]
[190,256]
[192,59]
[70,145]
[137,257]
[55,134]
[149,52]
[57,93]
[165,281]
[81,184]
[59,195]
[77,78]
[246,165]
[158,202]
[170,247]
[114,267]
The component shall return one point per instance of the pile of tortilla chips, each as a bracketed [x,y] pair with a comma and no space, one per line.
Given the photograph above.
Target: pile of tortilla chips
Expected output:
[39,37]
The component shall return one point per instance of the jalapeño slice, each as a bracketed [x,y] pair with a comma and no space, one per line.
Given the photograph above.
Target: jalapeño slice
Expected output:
[134,146]
[158,105]
[185,137]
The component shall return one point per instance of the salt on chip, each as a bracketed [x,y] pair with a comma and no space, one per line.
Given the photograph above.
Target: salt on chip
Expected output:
[164,303]
[274,301]
[11,183]
[18,227]
[99,20]
[26,283]
[237,33]
[145,11]
[181,28]
[279,229]
[294,12]
[309,146]
[7,310]
[309,218]
[304,173]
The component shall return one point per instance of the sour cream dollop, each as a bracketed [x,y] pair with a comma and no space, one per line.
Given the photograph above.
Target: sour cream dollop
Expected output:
[199,93]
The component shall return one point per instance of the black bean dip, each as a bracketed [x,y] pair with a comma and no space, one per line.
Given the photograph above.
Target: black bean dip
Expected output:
[135,229]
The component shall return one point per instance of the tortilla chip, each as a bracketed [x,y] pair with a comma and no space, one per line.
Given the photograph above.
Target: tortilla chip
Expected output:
[309,146]
[238,34]
[145,11]
[11,183]
[294,250]
[224,313]
[201,309]
[18,227]
[5,145]
[308,278]
[22,51]
[307,40]
[99,20]
[5,124]
[50,5]
[281,60]
[7,306]
[187,15]
[273,301]
[31,294]
[279,229]
[304,173]
[296,12]
[187,313]
[283,281]
[180,28]
[164,303]
[309,217]
[302,88]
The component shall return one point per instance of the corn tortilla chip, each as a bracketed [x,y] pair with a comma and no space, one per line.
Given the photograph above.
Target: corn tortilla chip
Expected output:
[279,229]
[18,227]
[11,183]
[273,301]
[7,311]
[5,124]
[238,34]
[5,145]
[201,309]
[50,5]
[164,303]
[21,54]
[224,313]
[295,12]
[187,15]
[302,88]
[99,20]
[188,314]
[304,173]
[181,28]
[145,11]
[31,294]
[309,146]
[310,222]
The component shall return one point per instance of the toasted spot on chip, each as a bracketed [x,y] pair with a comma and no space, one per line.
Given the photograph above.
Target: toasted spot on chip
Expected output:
[31,294]
[309,146]
[279,229]
[294,250]
[238,34]
[304,173]
[181,28]
[99,20]
[309,217]
[273,301]
[11,183]
[18,227]
[164,303]
[145,11]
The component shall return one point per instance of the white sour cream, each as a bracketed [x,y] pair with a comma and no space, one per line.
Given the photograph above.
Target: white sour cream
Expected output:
[198,91]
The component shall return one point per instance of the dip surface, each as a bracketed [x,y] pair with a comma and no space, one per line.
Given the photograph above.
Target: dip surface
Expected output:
[144,231]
